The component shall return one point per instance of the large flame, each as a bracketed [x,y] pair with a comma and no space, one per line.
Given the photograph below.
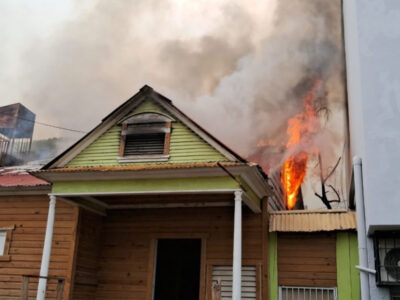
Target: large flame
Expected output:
[300,130]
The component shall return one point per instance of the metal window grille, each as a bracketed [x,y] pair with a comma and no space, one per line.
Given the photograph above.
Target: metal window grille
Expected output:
[307,293]
[222,278]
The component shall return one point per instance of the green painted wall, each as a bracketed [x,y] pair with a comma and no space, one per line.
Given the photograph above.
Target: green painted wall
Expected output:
[273,266]
[163,184]
[185,145]
[348,277]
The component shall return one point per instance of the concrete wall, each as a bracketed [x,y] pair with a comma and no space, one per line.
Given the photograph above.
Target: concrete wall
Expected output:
[372,34]
[373,63]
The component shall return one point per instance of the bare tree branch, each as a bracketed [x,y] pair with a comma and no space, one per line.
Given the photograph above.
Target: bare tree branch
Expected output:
[335,191]
[333,170]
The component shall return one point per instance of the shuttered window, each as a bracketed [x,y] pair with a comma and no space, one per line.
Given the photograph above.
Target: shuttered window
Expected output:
[222,282]
[144,144]
[145,137]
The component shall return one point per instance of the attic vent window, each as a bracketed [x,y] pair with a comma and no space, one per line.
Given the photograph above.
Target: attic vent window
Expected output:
[145,137]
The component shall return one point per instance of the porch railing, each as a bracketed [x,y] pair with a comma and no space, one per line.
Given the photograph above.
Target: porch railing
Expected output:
[26,280]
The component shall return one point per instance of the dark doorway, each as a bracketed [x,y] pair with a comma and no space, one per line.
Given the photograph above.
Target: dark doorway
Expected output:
[177,269]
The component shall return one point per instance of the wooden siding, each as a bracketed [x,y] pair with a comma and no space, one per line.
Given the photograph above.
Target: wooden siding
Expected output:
[185,145]
[125,264]
[29,215]
[307,259]
[85,277]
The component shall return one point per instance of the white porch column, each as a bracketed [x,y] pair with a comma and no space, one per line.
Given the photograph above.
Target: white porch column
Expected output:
[237,248]
[44,268]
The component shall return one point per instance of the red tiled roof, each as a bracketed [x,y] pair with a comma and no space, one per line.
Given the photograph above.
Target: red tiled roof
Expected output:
[17,176]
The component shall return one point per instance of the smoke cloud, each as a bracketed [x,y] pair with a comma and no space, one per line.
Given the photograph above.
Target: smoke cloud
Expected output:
[239,68]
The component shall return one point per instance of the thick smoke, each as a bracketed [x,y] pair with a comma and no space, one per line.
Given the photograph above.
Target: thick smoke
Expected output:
[240,71]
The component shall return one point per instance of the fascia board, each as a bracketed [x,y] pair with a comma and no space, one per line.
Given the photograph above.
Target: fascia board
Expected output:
[96,133]
[21,191]
[195,129]
[143,174]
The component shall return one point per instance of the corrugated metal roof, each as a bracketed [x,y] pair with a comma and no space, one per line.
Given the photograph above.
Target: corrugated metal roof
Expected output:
[312,220]
[144,167]
[19,177]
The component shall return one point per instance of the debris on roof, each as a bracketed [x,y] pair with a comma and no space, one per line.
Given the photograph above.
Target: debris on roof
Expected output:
[141,167]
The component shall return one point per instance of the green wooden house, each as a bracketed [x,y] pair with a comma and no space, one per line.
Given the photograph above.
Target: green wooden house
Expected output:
[166,210]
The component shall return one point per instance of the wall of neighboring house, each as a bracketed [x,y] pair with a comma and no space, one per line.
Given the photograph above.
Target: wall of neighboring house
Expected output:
[314,260]
[126,261]
[28,215]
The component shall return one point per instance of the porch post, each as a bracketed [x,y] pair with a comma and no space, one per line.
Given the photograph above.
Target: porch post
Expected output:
[44,268]
[237,248]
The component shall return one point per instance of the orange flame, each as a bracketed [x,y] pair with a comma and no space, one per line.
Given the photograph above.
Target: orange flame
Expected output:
[300,129]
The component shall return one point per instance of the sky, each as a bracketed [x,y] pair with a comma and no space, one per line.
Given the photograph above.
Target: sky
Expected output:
[238,67]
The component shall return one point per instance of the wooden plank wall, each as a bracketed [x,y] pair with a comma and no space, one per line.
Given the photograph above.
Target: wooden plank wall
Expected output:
[85,273]
[127,247]
[29,215]
[307,259]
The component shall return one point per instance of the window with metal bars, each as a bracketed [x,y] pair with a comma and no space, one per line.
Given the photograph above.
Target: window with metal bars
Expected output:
[145,137]
[307,293]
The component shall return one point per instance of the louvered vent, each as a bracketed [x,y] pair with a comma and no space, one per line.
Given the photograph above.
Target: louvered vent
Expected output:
[222,276]
[144,144]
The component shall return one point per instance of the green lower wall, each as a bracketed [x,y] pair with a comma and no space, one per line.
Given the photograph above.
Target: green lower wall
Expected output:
[155,184]
[348,277]
[162,184]
[273,266]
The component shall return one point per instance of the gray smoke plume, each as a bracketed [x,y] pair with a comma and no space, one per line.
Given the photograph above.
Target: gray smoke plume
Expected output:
[241,72]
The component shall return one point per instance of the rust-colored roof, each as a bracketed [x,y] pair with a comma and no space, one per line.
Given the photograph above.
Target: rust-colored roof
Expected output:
[312,220]
[143,167]
[19,177]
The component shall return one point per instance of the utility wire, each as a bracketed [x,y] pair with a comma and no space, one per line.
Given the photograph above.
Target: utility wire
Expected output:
[53,126]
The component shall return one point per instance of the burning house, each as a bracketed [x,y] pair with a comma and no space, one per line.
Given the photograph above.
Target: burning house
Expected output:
[148,205]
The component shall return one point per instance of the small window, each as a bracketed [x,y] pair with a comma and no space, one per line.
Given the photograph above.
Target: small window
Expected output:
[145,137]
[5,240]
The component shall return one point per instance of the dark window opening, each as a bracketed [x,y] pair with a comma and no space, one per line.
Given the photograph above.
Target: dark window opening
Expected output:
[177,274]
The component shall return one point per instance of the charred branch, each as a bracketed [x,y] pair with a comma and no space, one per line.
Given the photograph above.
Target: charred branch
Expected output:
[323,197]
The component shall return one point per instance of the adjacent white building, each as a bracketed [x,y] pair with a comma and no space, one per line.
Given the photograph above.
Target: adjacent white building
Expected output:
[372,43]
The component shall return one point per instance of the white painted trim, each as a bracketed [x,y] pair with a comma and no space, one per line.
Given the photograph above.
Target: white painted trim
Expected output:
[44,268]
[237,248]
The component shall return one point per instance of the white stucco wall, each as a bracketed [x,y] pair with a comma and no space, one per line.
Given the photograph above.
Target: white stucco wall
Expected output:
[375,107]
[373,70]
